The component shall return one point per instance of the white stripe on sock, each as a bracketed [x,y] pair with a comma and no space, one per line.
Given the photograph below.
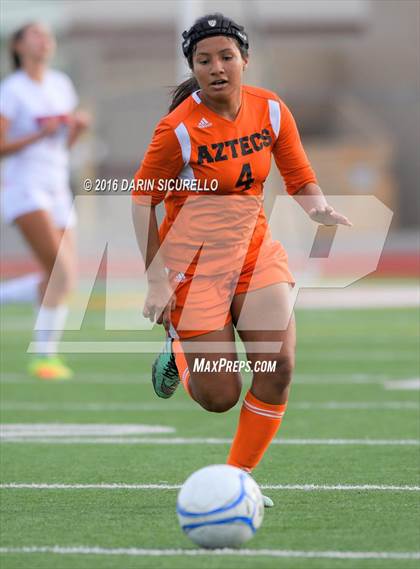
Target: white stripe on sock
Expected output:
[261,411]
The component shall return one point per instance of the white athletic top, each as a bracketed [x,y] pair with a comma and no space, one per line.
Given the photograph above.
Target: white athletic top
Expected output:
[24,102]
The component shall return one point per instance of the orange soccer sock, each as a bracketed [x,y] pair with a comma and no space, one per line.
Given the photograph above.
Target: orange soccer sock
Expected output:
[181,364]
[258,424]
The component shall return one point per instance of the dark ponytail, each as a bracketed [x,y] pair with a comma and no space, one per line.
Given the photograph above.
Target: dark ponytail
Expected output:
[183,91]
[16,37]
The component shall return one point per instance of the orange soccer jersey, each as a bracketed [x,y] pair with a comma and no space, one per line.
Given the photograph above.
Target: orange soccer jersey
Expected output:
[200,150]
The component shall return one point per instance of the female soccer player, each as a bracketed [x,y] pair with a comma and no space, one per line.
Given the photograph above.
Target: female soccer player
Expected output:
[38,124]
[214,255]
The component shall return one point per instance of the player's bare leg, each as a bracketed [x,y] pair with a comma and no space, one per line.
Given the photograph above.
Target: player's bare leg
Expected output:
[217,387]
[266,401]
[55,251]
[45,239]
[215,391]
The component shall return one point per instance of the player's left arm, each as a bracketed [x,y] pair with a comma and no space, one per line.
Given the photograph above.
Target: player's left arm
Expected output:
[313,201]
[79,121]
[298,175]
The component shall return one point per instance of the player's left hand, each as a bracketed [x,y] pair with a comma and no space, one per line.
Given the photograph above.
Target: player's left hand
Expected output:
[328,216]
[81,120]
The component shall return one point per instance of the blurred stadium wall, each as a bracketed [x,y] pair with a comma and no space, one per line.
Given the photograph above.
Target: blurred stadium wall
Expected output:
[348,69]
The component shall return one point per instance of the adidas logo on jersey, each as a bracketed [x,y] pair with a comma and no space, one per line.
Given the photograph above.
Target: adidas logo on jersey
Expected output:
[204,123]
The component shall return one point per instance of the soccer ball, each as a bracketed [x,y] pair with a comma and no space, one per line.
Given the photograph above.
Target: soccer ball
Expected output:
[220,506]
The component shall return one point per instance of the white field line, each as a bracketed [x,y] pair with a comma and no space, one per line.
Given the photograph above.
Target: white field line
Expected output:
[299,406]
[120,486]
[203,441]
[25,322]
[111,378]
[126,381]
[403,385]
[348,357]
[137,552]
[75,433]
[79,429]
[82,380]
[5,380]
[143,347]
[363,296]
[359,405]
[29,406]
[86,378]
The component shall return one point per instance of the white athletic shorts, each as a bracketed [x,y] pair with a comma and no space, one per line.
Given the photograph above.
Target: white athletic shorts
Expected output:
[34,193]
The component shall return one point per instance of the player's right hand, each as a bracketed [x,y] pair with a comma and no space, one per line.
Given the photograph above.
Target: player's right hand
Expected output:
[160,301]
[50,125]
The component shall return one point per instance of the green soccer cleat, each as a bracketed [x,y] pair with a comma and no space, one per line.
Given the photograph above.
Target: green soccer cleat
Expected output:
[49,368]
[165,376]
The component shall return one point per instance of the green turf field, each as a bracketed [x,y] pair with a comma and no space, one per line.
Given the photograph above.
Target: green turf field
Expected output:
[343,427]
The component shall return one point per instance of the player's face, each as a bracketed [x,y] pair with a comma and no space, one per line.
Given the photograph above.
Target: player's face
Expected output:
[218,67]
[37,44]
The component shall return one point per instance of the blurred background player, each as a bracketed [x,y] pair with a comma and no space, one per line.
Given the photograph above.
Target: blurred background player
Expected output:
[220,129]
[38,125]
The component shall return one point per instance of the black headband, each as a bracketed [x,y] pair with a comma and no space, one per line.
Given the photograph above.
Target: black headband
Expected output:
[214,26]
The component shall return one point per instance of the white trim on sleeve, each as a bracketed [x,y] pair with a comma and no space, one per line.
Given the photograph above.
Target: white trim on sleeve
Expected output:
[275,115]
[184,141]
[196,97]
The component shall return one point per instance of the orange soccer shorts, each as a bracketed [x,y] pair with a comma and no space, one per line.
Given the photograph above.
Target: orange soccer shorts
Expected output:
[203,302]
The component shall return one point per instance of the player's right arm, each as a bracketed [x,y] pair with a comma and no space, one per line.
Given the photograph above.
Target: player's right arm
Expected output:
[163,160]
[11,146]
[156,306]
